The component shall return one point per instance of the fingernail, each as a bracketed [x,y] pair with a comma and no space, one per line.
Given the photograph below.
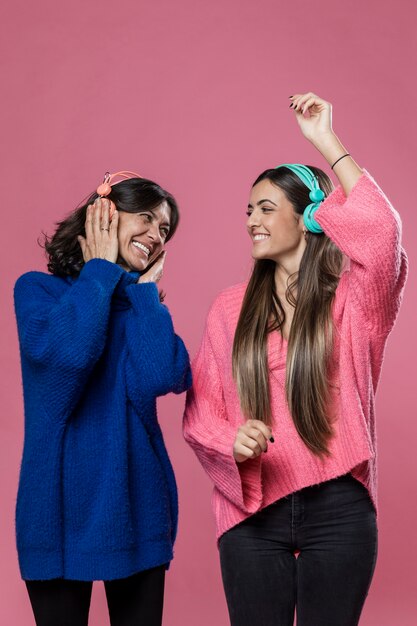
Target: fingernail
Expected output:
[271,439]
[290,96]
[292,104]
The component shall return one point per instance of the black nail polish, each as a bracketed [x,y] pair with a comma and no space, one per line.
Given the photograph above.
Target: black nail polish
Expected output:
[271,439]
[292,104]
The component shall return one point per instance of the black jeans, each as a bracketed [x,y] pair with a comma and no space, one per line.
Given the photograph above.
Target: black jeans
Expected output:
[333,526]
[134,601]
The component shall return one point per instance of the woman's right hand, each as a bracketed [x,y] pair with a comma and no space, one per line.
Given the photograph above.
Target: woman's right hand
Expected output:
[251,440]
[100,241]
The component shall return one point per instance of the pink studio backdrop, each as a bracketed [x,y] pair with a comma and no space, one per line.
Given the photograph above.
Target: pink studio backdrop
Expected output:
[195,95]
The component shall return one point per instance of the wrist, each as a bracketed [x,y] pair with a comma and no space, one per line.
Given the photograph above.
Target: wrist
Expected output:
[325,141]
[330,147]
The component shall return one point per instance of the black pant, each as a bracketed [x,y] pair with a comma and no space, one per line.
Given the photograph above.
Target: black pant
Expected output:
[134,601]
[333,526]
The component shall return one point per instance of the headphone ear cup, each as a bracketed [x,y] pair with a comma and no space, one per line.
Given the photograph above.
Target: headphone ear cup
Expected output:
[309,221]
[316,195]
[104,189]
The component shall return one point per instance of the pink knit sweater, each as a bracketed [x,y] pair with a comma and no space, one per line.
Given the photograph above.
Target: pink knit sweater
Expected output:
[367,229]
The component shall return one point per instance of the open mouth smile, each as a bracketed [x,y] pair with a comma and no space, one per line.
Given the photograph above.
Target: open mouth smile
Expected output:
[261,237]
[140,246]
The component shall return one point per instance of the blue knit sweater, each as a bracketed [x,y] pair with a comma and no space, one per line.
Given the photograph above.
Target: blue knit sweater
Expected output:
[97,496]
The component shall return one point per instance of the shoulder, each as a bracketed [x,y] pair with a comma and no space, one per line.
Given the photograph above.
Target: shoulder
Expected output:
[224,312]
[40,282]
[228,301]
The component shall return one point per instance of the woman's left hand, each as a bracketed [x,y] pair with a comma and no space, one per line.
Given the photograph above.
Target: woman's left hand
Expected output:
[154,273]
[319,123]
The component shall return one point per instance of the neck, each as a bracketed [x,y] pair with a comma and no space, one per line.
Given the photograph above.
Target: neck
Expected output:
[286,266]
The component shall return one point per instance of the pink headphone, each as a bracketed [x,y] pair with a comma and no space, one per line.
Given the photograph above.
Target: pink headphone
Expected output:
[105,188]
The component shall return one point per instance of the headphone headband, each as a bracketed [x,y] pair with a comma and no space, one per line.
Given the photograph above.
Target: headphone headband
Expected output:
[303,172]
[105,188]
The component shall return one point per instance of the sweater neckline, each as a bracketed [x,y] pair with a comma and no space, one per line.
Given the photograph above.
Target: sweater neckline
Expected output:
[278,345]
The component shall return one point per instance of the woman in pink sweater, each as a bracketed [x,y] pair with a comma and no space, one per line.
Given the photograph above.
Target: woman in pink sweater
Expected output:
[281,413]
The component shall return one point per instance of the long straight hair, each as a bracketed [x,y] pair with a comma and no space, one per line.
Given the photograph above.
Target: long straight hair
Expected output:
[311,292]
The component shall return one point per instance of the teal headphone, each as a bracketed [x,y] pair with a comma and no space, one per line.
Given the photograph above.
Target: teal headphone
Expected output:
[305,174]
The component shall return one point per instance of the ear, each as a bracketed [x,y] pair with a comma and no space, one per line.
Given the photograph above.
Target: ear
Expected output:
[300,221]
[302,227]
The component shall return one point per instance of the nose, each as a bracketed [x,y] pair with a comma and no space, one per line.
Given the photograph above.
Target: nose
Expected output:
[154,233]
[253,220]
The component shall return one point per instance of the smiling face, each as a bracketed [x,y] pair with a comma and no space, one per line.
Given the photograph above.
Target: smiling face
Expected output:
[142,236]
[274,227]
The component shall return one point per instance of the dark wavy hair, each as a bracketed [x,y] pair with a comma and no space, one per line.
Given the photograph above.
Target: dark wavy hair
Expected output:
[134,195]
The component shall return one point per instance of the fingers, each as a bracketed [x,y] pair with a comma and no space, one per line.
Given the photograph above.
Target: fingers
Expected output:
[158,267]
[89,223]
[114,221]
[252,443]
[154,273]
[83,245]
[101,239]
[112,209]
[301,102]
[242,452]
[306,105]
[295,101]
[98,216]
[96,219]
[262,427]
[101,217]
[252,439]
[160,260]
[105,215]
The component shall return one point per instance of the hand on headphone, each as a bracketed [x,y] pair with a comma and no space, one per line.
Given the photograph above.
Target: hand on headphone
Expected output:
[100,241]
[318,124]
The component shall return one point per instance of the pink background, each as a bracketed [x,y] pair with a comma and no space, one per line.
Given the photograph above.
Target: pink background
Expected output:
[195,95]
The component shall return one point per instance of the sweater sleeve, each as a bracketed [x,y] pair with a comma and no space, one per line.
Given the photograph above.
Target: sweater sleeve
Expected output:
[157,358]
[209,432]
[62,337]
[366,228]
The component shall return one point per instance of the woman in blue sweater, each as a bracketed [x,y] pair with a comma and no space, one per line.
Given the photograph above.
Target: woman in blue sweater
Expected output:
[97,495]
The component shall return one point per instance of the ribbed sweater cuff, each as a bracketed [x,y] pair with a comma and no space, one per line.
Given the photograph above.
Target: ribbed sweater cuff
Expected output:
[239,482]
[325,214]
[143,296]
[251,481]
[107,273]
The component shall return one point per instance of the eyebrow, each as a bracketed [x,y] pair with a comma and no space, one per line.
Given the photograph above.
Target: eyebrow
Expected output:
[261,201]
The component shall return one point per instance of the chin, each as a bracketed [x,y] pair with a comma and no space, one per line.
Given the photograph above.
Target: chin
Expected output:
[133,265]
[261,257]
[139,267]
